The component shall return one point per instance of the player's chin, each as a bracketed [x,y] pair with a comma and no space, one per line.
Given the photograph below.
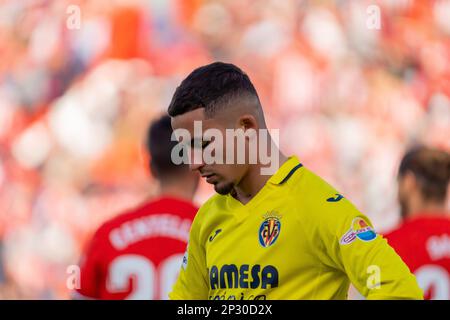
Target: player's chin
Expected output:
[223,188]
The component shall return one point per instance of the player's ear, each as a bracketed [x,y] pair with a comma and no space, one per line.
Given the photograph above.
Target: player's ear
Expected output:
[153,170]
[409,182]
[247,121]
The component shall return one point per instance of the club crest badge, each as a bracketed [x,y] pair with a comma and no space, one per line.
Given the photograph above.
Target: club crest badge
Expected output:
[270,229]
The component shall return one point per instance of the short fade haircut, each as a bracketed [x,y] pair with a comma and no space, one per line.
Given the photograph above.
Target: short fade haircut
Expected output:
[212,87]
[431,167]
[159,146]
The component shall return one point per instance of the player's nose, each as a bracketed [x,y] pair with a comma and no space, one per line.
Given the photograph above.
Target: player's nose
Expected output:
[196,166]
[195,160]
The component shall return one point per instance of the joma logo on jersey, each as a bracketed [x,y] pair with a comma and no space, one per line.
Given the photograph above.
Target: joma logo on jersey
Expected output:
[230,276]
[270,229]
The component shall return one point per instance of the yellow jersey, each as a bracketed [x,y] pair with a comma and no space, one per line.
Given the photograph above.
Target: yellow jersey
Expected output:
[298,238]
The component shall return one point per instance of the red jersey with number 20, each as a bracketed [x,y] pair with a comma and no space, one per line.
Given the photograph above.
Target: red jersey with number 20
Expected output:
[423,243]
[138,254]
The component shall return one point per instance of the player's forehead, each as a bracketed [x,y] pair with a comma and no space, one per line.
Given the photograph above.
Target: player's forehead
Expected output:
[188,119]
[195,121]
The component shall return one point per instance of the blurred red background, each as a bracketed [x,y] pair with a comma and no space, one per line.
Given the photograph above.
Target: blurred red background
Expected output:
[75,104]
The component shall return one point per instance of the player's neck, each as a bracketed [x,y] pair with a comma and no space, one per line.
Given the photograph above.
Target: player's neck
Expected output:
[426,209]
[176,191]
[254,181]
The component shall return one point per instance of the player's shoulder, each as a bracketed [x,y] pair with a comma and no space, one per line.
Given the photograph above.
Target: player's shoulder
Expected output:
[400,231]
[315,192]
[321,203]
[124,216]
[421,225]
[211,205]
[399,237]
[304,181]
[158,206]
[439,220]
[153,207]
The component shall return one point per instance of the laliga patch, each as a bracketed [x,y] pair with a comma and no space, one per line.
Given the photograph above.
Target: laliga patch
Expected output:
[360,229]
[270,229]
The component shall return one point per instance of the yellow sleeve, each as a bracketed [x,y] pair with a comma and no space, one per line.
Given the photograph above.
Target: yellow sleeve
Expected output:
[372,266]
[192,282]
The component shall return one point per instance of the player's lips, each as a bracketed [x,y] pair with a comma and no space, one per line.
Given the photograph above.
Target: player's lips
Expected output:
[209,177]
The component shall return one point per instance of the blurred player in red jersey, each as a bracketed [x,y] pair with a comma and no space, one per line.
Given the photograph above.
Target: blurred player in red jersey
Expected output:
[423,239]
[138,254]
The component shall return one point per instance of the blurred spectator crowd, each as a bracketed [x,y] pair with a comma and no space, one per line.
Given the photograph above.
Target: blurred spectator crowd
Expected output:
[75,103]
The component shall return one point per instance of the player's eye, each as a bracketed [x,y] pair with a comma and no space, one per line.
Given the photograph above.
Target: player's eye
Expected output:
[201,144]
[205,144]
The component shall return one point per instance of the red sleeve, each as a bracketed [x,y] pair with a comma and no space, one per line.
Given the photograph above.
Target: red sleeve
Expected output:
[90,270]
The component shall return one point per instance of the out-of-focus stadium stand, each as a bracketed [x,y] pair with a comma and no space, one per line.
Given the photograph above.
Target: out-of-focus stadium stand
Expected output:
[75,103]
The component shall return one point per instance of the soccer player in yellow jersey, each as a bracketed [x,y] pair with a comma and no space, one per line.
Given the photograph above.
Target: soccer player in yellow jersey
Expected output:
[285,235]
